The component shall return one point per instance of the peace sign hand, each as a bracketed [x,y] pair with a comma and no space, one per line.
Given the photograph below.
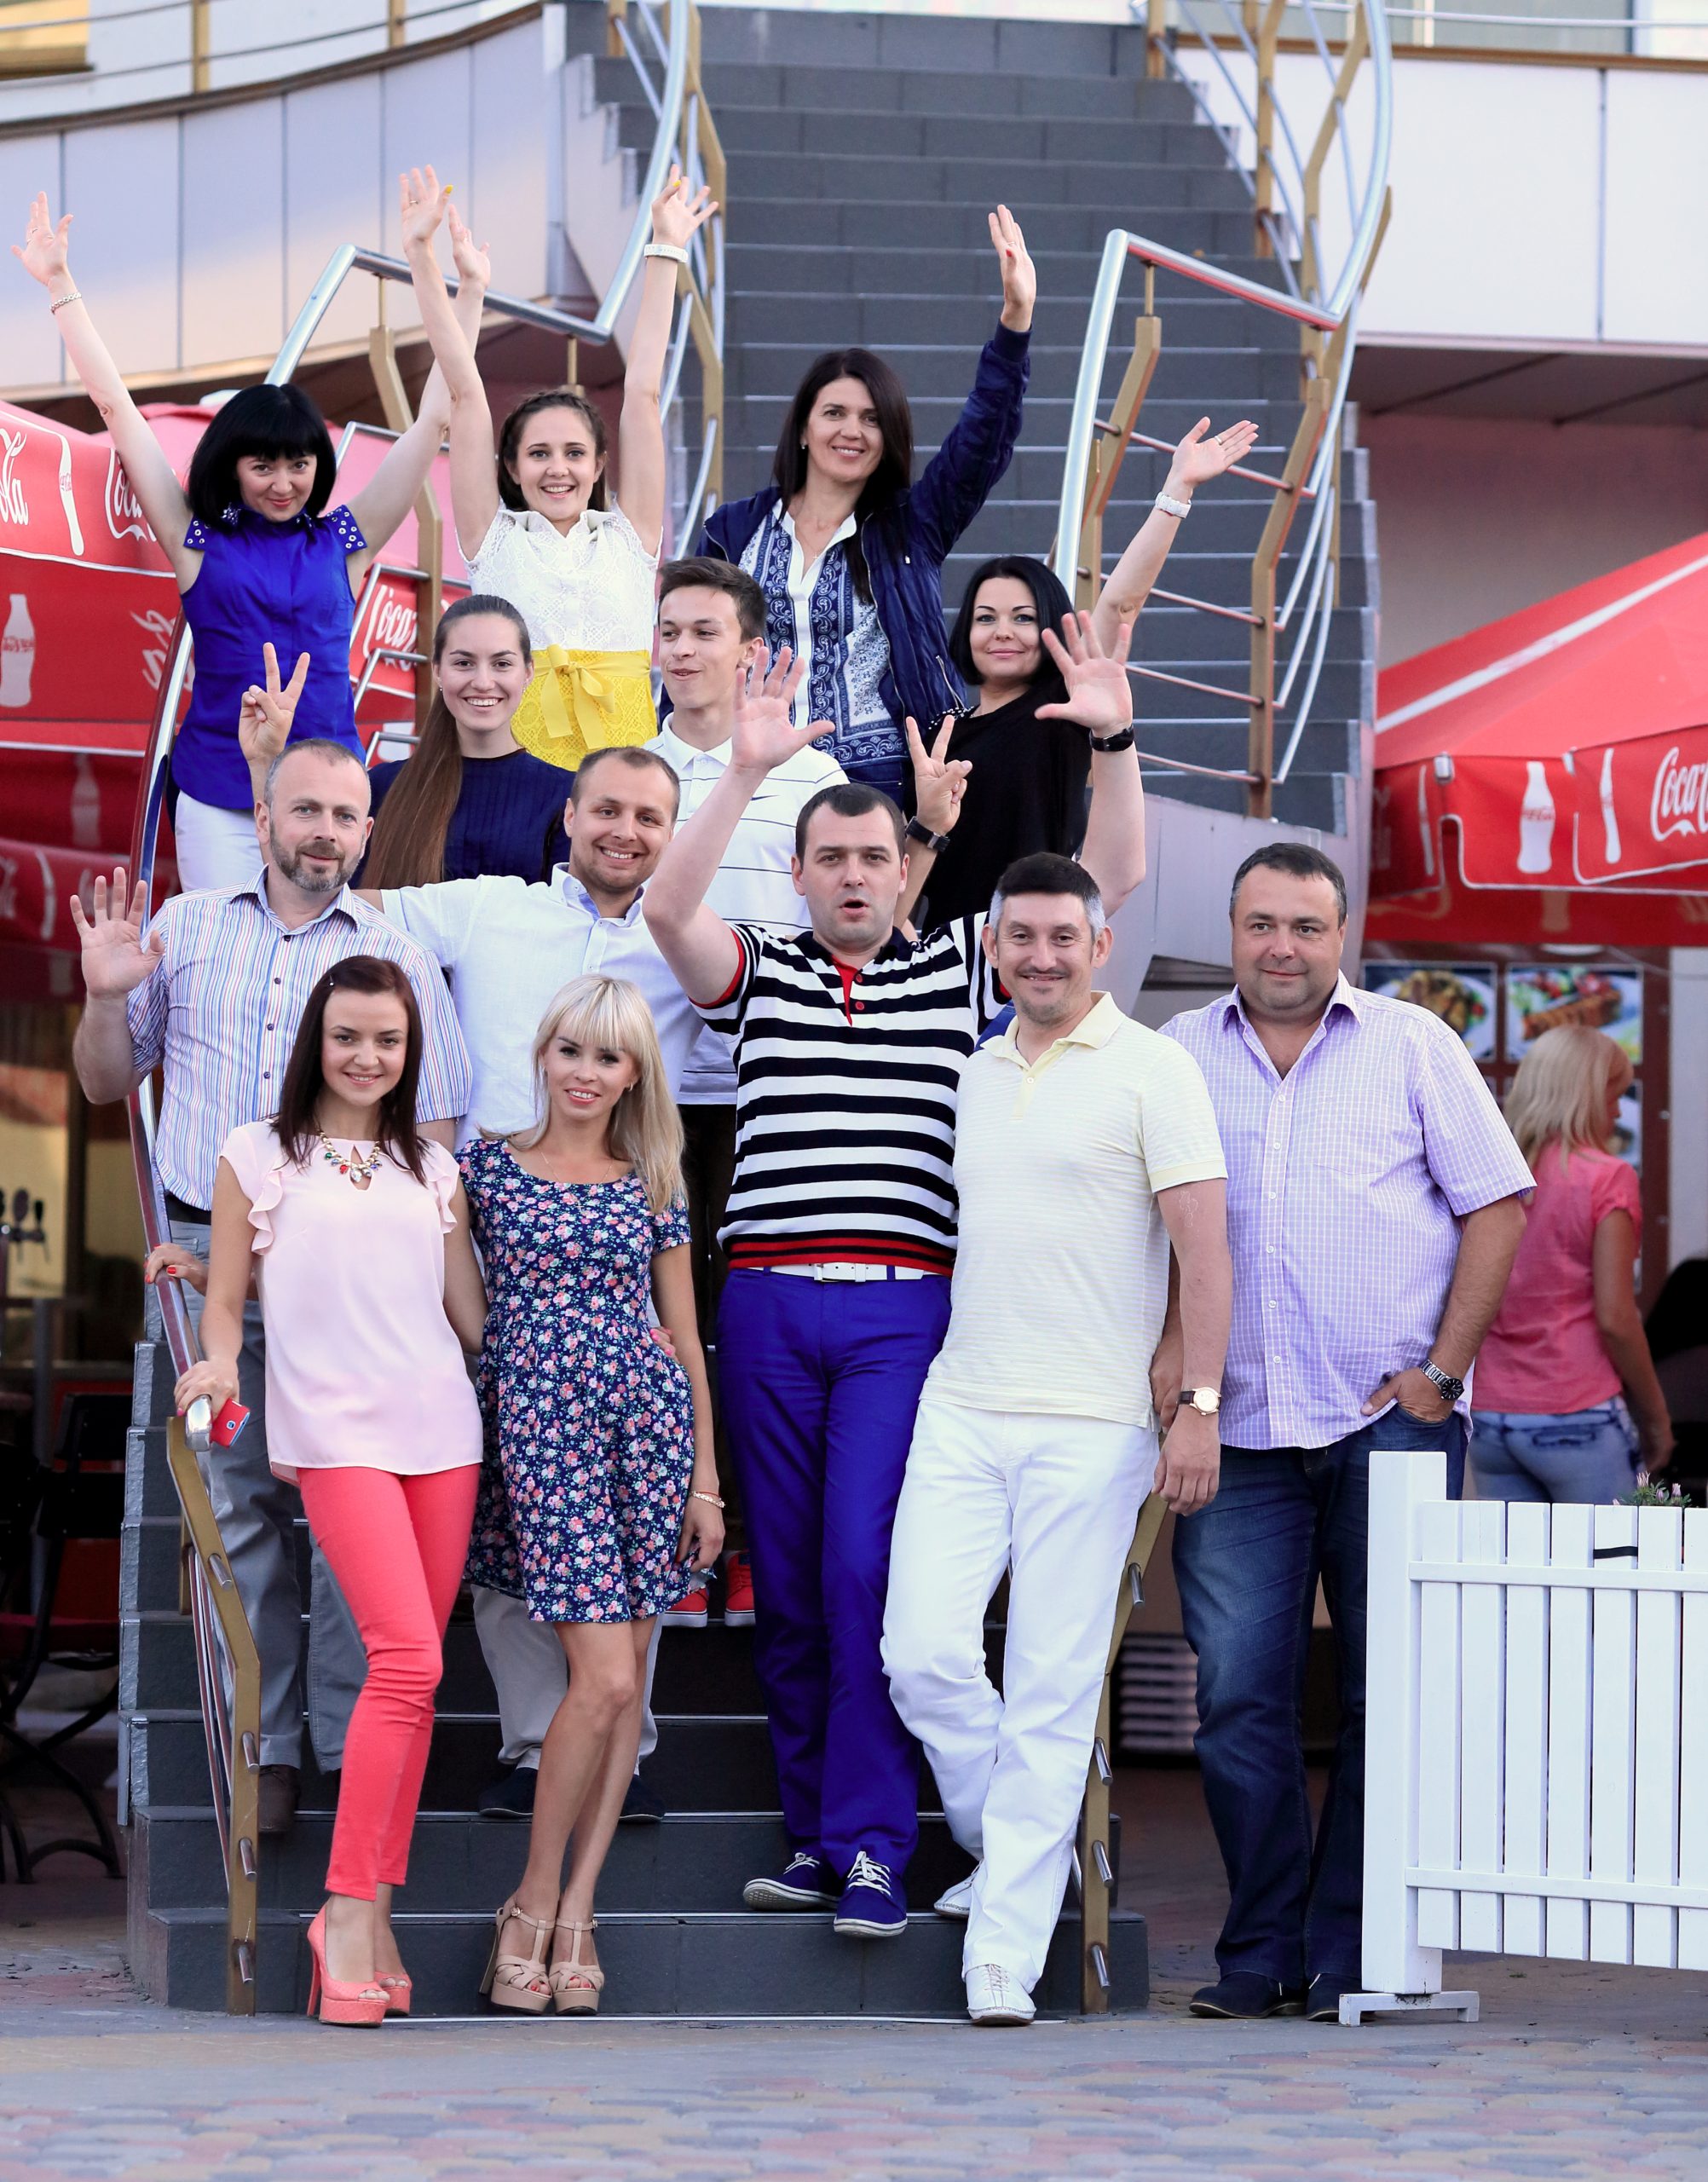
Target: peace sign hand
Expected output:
[420,207]
[940,781]
[116,958]
[1099,696]
[263,726]
[764,735]
[46,254]
[1019,274]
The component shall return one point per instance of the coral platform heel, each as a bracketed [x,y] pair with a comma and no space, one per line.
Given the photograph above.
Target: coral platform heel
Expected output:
[337,2000]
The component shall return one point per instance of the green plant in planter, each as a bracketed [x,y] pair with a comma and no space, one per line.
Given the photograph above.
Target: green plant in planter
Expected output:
[1646,1493]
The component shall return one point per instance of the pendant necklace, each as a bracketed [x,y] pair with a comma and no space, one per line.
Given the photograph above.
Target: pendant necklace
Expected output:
[360,1171]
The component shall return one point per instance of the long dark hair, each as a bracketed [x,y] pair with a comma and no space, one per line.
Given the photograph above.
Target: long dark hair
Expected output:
[895,469]
[394,1129]
[1048,596]
[408,844]
[271,421]
[510,438]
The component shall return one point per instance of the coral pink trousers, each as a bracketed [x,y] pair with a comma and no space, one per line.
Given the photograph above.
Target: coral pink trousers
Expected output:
[397,1546]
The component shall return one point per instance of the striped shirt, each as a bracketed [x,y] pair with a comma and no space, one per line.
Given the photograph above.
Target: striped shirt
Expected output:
[1348,1179]
[220,1011]
[844,1104]
[754,883]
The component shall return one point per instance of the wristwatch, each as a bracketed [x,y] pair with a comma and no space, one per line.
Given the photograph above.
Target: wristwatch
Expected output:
[1207,1400]
[1447,1385]
[1121,740]
[918,831]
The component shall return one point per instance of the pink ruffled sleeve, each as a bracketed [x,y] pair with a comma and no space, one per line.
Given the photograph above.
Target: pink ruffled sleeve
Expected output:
[253,1154]
[443,1176]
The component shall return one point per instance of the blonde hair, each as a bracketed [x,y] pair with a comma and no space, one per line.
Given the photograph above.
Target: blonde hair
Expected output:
[1560,1091]
[644,1127]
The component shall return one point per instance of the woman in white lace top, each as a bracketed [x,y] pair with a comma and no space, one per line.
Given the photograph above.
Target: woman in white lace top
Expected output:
[539,526]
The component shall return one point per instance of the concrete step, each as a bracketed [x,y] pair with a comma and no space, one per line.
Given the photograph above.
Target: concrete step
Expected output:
[1125,146]
[938,223]
[991,98]
[710,1966]
[1028,187]
[968,47]
[1223,381]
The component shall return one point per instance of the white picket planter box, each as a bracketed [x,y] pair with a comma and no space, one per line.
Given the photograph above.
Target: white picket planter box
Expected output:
[1530,1787]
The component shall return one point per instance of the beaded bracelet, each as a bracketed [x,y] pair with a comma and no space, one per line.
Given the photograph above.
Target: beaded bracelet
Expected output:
[73,297]
[672,251]
[711,1499]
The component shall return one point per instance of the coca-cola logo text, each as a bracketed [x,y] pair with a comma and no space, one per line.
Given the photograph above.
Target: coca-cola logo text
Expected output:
[124,515]
[392,627]
[158,628]
[1679,803]
[13,507]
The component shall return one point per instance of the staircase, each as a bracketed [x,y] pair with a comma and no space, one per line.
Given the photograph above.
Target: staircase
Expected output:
[674,1937]
[864,154]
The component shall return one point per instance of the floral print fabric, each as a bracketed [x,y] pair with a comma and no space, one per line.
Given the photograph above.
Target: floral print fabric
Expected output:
[589,1425]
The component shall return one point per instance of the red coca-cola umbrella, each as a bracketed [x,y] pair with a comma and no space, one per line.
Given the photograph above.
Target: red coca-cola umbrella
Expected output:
[1566,747]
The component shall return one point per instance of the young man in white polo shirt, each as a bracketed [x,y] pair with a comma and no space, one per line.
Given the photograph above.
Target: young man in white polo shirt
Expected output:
[1083,1149]
[711,628]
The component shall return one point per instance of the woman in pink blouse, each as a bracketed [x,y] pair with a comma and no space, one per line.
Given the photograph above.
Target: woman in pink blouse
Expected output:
[357,1230]
[1565,1369]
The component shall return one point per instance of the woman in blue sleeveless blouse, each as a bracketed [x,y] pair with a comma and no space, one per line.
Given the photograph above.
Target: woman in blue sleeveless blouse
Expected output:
[259,556]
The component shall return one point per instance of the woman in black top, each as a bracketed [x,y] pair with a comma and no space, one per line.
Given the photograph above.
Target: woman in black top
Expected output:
[1026,788]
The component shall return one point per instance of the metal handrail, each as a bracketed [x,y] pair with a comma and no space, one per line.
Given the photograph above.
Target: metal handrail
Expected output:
[1325,311]
[227,1670]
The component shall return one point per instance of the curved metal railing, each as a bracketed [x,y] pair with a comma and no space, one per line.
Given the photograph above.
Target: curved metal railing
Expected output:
[227,1666]
[1286,188]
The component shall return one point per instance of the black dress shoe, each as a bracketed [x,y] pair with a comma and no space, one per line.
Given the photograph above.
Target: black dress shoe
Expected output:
[643,1805]
[1243,1996]
[510,1795]
[1323,2001]
[276,1799]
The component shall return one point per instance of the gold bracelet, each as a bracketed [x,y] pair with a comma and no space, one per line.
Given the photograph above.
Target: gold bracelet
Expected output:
[73,297]
[710,1497]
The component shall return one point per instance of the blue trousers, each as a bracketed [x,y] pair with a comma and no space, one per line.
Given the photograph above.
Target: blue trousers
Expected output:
[1247,1567]
[819,1382]
[1584,1455]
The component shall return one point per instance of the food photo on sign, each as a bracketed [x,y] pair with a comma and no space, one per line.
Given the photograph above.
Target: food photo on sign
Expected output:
[1462,996]
[1548,996]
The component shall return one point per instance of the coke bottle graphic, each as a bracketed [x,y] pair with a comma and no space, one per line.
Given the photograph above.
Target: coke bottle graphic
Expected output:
[1535,820]
[17,653]
[85,805]
[1610,817]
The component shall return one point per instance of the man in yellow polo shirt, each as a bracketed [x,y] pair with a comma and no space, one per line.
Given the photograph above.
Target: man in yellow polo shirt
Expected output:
[1085,1145]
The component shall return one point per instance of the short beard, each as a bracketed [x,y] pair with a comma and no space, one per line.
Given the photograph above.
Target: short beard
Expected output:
[312,882]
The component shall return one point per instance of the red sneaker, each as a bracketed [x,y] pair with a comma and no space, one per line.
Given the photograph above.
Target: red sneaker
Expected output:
[738,1591]
[689,1611]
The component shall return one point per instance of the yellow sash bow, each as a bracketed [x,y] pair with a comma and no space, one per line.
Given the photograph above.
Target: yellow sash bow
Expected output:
[582,701]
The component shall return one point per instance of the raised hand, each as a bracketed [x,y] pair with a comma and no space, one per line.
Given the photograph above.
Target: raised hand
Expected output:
[420,207]
[1019,276]
[940,781]
[473,260]
[176,1262]
[676,215]
[1099,696]
[1197,459]
[116,958]
[263,726]
[764,735]
[46,252]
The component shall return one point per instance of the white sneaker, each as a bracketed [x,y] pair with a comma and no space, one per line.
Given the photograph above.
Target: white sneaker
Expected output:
[957,1900]
[995,1995]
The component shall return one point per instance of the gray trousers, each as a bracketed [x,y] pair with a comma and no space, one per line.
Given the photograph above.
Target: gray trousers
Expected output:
[257,1512]
[530,1674]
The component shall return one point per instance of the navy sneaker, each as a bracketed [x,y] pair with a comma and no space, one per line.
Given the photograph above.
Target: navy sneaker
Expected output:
[510,1795]
[806,1882]
[1244,1996]
[1323,2000]
[871,1908]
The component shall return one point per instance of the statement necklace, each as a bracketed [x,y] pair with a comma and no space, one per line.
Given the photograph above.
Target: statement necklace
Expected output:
[360,1171]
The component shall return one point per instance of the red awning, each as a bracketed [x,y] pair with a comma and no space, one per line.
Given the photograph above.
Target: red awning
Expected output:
[1563,747]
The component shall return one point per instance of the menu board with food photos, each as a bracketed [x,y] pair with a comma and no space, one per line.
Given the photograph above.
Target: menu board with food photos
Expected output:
[1462,996]
[1544,997]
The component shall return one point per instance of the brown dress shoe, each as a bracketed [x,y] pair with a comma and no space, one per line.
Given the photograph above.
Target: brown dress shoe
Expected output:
[280,1786]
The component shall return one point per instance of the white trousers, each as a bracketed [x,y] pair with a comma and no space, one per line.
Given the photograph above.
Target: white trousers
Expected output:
[216,847]
[525,1659]
[1053,1500]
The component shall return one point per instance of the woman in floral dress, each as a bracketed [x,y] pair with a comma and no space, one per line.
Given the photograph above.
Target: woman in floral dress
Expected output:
[599,1490]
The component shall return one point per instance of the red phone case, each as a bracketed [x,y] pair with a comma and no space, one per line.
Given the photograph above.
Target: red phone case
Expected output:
[228,1423]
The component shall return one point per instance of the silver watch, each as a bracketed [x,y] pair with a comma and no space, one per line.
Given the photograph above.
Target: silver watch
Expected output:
[1448,1387]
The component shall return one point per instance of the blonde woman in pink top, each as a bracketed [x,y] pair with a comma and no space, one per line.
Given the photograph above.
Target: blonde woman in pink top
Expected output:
[1567,1403]
[357,1230]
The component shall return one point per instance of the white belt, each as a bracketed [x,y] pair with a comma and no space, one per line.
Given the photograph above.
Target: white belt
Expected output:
[854,1272]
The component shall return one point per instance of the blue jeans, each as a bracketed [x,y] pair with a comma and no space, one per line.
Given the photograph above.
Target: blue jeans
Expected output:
[1587,1456]
[1247,1567]
[819,1384]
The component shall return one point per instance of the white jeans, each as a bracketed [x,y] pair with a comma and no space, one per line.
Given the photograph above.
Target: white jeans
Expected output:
[216,847]
[1053,1499]
[525,1659]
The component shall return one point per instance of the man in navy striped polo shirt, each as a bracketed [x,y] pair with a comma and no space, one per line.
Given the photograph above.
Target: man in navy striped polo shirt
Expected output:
[849,1038]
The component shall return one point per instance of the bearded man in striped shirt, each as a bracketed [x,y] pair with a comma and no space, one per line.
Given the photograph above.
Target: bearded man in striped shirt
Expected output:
[849,1038]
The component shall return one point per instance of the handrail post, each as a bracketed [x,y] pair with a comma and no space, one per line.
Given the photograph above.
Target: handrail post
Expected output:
[1095,1873]
[615,10]
[1265,33]
[1155,32]
[1260,741]
[200,46]
[1111,450]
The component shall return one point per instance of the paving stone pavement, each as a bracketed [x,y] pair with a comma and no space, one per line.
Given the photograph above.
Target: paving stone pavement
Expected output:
[1576,2071]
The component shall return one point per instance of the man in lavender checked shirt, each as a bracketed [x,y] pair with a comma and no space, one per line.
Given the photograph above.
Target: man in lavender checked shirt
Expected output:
[1374,1207]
